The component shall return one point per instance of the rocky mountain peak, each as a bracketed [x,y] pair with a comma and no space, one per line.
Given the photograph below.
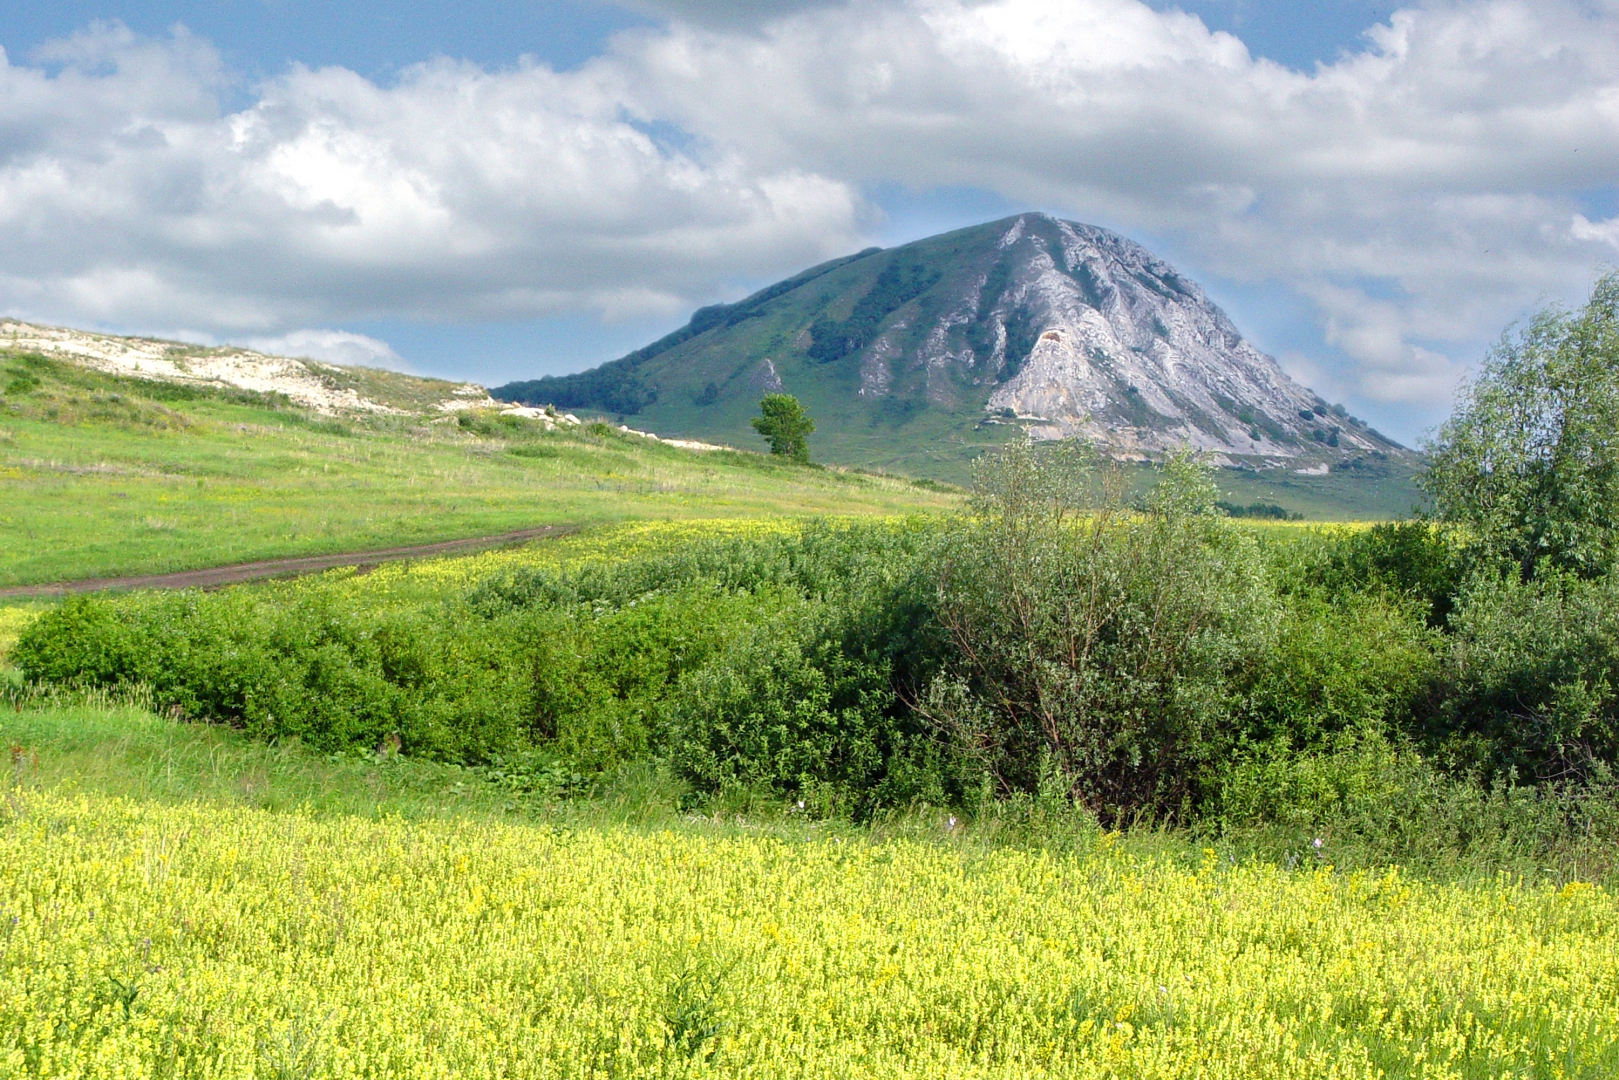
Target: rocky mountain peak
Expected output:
[1083,332]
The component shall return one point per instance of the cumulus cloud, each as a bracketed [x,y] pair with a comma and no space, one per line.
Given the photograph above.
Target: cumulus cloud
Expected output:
[1415,194]
[333,346]
[1606,232]
[128,196]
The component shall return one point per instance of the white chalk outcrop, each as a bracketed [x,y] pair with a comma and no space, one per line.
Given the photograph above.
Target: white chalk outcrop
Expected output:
[308,383]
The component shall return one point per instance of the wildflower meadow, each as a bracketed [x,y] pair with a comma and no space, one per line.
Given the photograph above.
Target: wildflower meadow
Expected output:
[149,940]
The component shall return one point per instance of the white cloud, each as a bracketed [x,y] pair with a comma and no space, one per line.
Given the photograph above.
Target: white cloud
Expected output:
[128,196]
[1606,232]
[333,346]
[1416,194]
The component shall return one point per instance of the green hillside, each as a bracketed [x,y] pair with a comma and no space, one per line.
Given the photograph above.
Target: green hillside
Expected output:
[705,380]
[113,476]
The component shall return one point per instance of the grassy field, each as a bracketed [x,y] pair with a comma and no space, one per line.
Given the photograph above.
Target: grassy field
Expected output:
[179,900]
[180,903]
[104,477]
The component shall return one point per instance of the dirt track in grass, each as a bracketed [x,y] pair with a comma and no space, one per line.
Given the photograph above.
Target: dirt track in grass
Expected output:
[213,577]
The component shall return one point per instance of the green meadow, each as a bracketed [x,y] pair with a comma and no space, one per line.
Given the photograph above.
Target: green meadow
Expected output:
[105,476]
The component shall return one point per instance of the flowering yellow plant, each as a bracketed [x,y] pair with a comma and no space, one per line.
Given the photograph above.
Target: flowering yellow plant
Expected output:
[12,620]
[608,543]
[145,940]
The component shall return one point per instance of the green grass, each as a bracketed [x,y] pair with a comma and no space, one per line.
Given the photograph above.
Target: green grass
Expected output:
[121,749]
[106,476]
[1373,494]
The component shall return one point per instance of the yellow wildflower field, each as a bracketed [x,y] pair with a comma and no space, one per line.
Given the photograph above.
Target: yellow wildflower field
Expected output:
[609,543]
[148,940]
[412,580]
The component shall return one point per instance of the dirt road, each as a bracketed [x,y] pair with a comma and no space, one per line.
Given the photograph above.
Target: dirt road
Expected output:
[269,568]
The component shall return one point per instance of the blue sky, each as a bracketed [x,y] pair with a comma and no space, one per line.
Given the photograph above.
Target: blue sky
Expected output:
[258,37]
[1372,210]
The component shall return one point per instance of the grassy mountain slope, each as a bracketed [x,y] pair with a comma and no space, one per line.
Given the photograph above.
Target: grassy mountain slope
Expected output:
[705,380]
[104,475]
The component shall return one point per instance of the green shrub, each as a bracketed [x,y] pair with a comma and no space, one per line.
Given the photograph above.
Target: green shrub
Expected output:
[1356,785]
[602,681]
[1110,645]
[784,708]
[1366,800]
[1415,558]
[1532,677]
[312,669]
[1356,663]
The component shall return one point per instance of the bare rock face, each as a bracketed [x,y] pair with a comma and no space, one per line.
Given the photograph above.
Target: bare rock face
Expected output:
[1131,355]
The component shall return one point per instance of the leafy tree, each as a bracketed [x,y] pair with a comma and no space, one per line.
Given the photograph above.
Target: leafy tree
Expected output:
[1529,462]
[784,424]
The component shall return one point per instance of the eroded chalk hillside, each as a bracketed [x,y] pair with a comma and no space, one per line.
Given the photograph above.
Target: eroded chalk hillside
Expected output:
[325,388]
[926,352]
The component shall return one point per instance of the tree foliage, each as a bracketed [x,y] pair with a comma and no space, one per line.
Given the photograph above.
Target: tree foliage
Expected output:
[1528,463]
[785,425]
[897,285]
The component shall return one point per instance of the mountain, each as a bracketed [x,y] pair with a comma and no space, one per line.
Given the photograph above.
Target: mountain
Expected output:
[917,357]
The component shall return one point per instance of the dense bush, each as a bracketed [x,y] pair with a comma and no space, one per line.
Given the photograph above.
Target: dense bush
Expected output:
[1367,799]
[784,708]
[601,681]
[1110,645]
[1356,663]
[812,703]
[1418,559]
[314,669]
[1532,677]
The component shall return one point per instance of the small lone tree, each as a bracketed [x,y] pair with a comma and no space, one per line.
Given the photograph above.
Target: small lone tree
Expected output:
[784,425]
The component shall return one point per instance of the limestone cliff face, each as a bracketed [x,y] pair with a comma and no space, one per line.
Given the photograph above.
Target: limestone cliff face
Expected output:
[1090,334]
